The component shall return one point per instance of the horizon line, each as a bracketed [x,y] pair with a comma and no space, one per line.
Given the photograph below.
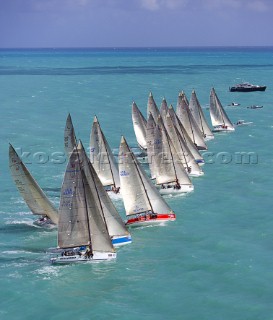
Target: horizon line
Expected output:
[142,47]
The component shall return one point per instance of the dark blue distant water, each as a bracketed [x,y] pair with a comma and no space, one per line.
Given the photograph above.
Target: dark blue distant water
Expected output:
[215,261]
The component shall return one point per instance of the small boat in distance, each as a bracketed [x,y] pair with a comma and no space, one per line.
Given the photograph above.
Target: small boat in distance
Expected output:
[234,104]
[254,107]
[242,123]
[246,87]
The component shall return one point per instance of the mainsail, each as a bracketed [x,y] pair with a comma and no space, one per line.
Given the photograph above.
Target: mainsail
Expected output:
[102,157]
[29,189]
[139,193]
[199,117]
[139,124]
[80,216]
[69,136]
[190,125]
[217,112]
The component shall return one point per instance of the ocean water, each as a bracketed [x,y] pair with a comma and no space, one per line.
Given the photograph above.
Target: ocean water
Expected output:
[215,261]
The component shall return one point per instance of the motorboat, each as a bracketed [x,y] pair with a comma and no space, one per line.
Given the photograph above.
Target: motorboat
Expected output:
[246,87]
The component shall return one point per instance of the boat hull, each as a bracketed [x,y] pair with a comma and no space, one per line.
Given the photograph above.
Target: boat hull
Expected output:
[223,129]
[250,89]
[171,190]
[148,219]
[45,223]
[77,258]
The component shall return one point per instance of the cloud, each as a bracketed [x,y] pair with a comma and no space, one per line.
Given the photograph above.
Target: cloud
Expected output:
[154,5]
[254,5]
[150,4]
[259,6]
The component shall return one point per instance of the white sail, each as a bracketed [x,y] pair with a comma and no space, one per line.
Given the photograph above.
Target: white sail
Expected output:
[114,222]
[69,136]
[139,193]
[80,216]
[169,167]
[150,145]
[139,124]
[181,148]
[102,157]
[199,117]
[217,112]
[190,125]
[152,107]
[29,189]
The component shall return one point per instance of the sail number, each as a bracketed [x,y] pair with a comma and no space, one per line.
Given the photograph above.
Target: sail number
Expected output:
[124,173]
[68,191]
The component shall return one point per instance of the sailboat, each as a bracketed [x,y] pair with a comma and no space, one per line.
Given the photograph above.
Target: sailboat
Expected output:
[184,114]
[170,174]
[82,231]
[143,203]
[103,159]
[199,117]
[219,118]
[31,192]
[139,124]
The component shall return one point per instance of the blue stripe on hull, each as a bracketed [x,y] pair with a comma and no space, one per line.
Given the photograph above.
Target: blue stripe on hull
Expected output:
[122,240]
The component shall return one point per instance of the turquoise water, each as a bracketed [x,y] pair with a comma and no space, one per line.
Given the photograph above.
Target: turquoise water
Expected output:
[215,261]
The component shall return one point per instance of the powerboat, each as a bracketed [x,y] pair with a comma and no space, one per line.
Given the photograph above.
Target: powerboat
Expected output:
[246,87]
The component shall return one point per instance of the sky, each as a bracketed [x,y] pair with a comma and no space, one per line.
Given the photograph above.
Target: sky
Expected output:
[135,23]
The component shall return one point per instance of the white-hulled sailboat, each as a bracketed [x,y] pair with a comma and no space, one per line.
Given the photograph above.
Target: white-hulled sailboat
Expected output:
[143,203]
[29,189]
[139,124]
[103,159]
[219,118]
[170,174]
[82,231]
[199,116]
[184,114]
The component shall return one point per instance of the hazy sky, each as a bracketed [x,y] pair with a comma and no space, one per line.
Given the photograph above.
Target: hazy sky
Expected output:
[134,23]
